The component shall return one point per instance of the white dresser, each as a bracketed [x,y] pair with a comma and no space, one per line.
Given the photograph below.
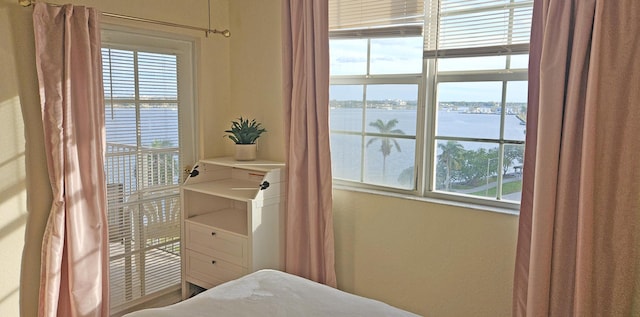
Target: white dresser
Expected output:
[233,221]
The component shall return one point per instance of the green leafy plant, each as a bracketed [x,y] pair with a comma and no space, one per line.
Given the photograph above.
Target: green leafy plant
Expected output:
[244,131]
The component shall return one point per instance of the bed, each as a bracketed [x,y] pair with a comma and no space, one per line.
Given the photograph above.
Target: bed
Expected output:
[273,293]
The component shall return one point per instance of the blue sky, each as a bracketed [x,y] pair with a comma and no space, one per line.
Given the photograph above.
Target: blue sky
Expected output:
[404,56]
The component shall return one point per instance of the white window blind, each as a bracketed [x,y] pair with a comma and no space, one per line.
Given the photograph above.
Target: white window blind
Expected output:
[463,28]
[143,174]
[375,17]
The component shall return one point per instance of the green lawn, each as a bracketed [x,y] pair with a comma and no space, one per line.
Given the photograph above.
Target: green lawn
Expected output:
[508,188]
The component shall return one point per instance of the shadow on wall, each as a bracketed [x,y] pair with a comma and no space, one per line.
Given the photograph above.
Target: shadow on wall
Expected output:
[9,295]
[14,225]
[24,170]
[13,216]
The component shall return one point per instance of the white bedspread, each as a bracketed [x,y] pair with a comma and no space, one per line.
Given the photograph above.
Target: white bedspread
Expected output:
[274,293]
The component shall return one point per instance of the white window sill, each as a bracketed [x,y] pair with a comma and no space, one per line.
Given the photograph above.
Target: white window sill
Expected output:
[478,207]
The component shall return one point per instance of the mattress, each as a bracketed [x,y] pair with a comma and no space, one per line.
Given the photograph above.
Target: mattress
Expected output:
[274,293]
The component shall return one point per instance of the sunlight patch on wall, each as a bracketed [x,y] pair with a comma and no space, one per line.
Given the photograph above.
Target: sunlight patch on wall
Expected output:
[13,206]
[12,143]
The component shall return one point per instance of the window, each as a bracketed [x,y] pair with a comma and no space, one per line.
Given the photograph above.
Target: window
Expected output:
[429,98]
[148,107]
[373,120]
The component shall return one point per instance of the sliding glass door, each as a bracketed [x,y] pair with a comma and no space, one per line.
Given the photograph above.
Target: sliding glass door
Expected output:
[149,133]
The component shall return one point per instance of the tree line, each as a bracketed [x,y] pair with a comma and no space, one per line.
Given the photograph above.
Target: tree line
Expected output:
[456,166]
[459,166]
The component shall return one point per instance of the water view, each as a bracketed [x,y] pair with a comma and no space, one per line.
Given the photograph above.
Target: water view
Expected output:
[466,167]
[463,167]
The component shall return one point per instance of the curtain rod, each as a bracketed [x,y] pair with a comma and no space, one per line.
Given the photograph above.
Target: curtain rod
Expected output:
[207,31]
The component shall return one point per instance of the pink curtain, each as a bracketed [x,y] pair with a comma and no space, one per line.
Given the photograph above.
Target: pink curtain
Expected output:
[309,224]
[579,234]
[74,273]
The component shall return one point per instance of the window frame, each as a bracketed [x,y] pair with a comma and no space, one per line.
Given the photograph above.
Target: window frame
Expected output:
[504,76]
[120,37]
[426,122]
[381,79]
[123,38]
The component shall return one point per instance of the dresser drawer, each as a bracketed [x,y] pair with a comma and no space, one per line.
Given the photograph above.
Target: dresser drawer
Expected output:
[216,243]
[210,271]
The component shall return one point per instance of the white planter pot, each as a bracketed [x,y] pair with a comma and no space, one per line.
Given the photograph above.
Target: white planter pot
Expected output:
[245,152]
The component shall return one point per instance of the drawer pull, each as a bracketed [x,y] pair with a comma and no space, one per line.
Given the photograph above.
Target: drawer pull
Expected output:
[213,262]
[213,233]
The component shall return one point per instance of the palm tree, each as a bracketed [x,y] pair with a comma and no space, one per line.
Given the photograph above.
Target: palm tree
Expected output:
[386,143]
[451,156]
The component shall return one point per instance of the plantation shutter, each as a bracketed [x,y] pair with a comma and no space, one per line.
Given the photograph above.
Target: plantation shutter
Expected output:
[463,28]
[363,18]
[143,174]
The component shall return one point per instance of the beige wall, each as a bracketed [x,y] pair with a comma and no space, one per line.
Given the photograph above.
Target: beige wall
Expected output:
[432,259]
[256,70]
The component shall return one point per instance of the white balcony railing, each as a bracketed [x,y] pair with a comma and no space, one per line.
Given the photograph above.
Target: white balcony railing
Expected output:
[144,220]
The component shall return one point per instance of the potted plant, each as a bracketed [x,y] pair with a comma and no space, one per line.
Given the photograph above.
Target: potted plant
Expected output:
[245,133]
